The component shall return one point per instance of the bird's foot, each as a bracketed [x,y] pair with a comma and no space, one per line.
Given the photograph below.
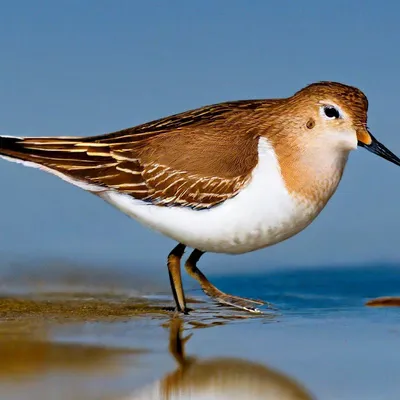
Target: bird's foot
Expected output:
[177,312]
[241,303]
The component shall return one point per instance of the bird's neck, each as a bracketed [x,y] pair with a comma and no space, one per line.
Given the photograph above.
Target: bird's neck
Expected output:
[313,174]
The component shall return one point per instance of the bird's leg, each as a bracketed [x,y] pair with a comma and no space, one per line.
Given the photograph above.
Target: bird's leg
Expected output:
[174,270]
[210,290]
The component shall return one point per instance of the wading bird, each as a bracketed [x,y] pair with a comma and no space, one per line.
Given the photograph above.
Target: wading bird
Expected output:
[228,178]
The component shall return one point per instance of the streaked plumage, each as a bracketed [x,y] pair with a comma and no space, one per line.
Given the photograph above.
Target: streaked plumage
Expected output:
[231,177]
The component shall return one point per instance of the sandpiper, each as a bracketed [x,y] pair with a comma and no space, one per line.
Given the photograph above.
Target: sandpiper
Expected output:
[228,178]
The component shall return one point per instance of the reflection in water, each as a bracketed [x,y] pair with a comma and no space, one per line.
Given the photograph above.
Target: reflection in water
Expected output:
[33,366]
[23,358]
[218,378]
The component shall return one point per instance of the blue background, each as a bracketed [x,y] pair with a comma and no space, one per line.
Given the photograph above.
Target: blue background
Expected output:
[89,67]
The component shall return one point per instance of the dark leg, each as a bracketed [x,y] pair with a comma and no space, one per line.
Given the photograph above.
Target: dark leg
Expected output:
[210,290]
[174,270]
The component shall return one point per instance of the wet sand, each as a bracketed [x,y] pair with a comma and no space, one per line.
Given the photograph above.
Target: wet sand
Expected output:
[388,301]
[70,336]
[88,347]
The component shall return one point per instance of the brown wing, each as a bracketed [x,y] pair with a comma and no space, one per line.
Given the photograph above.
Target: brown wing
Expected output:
[197,159]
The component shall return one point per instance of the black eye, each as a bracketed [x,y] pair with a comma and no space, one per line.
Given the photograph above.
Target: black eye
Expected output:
[331,112]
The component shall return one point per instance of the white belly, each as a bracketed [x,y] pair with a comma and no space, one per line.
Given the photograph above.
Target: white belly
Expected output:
[261,215]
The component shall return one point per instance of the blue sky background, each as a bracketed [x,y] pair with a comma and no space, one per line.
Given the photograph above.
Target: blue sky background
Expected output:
[89,67]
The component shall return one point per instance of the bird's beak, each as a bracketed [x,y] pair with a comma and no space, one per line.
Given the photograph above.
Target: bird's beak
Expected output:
[366,140]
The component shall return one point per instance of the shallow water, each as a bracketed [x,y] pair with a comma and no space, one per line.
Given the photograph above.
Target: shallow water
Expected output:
[68,339]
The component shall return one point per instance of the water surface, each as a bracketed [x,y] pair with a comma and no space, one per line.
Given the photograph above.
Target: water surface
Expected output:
[74,340]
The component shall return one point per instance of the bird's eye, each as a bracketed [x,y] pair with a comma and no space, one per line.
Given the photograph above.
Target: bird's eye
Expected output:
[331,112]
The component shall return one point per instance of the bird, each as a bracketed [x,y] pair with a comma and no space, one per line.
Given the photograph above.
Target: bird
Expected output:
[231,178]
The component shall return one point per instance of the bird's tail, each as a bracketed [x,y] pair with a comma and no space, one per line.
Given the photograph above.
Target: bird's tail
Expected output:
[67,157]
[56,151]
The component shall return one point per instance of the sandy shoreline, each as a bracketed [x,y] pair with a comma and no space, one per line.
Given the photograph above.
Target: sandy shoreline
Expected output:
[74,340]
[139,357]
[88,345]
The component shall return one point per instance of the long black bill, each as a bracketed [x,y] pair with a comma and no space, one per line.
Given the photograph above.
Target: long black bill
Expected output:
[379,149]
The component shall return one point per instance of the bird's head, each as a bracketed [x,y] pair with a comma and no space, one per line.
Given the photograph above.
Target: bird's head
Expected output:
[336,114]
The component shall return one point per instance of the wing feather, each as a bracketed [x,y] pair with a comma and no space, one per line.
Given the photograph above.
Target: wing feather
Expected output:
[196,159]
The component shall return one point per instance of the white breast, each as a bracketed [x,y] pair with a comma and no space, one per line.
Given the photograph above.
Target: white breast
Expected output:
[262,214]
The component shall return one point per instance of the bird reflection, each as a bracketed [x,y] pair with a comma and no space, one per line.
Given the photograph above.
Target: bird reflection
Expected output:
[218,378]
